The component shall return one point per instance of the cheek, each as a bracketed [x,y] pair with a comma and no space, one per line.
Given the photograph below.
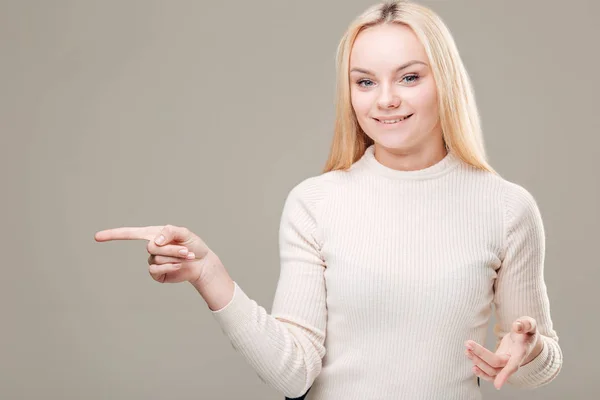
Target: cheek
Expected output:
[426,101]
[362,104]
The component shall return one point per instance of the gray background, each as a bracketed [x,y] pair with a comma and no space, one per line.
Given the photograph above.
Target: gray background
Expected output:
[205,114]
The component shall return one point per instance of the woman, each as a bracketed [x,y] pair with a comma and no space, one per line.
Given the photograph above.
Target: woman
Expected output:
[392,258]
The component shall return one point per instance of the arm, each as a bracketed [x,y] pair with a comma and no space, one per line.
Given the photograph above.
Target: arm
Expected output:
[286,347]
[520,289]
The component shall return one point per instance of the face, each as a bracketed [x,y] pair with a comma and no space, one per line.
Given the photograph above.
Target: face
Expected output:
[390,79]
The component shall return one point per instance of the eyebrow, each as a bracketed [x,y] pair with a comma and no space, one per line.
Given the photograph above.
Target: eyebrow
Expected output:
[400,68]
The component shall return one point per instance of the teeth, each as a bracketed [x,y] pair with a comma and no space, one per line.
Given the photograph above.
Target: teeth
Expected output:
[393,121]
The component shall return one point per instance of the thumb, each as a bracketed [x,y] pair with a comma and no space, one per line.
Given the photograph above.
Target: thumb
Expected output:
[525,325]
[171,233]
[183,236]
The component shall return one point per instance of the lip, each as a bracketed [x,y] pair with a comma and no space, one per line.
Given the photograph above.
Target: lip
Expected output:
[378,120]
[392,117]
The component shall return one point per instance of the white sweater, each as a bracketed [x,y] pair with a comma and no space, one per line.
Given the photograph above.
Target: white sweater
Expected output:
[385,274]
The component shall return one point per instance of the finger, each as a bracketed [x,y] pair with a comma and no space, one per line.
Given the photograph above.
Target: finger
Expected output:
[525,325]
[169,250]
[477,371]
[182,274]
[159,272]
[127,233]
[511,367]
[494,360]
[171,233]
[153,259]
[485,367]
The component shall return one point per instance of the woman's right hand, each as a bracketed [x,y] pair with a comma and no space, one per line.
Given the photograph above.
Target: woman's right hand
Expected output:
[166,263]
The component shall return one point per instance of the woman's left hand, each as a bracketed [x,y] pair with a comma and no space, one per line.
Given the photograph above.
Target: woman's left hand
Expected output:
[517,348]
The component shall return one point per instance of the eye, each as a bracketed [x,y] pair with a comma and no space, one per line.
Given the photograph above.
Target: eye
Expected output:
[361,81]
[413,78]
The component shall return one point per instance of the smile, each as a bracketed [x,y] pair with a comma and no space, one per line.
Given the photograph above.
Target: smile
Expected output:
[393,121]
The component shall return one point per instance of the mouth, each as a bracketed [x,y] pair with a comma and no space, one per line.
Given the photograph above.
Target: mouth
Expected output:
[395,121]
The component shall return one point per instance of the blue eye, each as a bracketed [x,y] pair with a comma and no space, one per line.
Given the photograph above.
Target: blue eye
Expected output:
[360,82]
[412,78]
[416,77]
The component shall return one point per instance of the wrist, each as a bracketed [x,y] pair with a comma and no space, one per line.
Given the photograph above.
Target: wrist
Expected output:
[215,285]
[212,267]
[536,351]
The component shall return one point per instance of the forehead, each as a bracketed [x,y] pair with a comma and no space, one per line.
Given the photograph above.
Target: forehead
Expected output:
[386,46]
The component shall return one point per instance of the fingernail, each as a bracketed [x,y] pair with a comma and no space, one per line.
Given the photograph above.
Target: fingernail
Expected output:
[183,252]
[191,256]
[519,326]
[160,239]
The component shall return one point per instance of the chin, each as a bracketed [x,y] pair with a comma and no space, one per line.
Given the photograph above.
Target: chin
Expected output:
[394,141]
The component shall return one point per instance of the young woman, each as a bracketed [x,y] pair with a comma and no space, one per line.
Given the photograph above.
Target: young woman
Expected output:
[391,258]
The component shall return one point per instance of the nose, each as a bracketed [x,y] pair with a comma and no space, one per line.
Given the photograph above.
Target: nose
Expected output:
[388,98]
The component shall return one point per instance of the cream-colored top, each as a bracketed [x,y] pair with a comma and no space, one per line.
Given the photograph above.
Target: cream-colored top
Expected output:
[385,274]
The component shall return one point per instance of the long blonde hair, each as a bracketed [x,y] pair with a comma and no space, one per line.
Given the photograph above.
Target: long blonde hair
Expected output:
[459,118]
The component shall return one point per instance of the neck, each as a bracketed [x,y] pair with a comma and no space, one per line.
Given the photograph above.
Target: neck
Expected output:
[410,160]
[392,164]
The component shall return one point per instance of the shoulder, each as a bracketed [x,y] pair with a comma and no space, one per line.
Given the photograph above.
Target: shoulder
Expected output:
[314,190]
[514,196]
[522,216]
[518,202]
[302,209]
[515,201]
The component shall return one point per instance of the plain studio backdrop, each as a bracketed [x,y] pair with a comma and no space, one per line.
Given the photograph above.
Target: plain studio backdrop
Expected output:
[205,114]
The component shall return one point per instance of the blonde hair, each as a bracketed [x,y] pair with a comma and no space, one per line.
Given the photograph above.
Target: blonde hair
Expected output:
[459,118]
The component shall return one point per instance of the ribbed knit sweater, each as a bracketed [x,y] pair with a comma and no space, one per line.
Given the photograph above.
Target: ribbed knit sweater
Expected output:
[385,274]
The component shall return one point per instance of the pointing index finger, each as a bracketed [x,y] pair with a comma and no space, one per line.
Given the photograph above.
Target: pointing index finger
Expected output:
[127,233]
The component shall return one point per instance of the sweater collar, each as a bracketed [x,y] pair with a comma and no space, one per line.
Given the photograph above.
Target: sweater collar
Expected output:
[369,163]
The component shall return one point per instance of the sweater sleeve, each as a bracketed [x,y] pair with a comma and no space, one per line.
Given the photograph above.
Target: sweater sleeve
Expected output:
[286,347]
[520,290]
